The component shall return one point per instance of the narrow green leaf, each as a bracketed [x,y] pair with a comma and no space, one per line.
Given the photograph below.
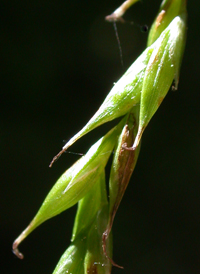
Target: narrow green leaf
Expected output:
[123,96]
[74,184]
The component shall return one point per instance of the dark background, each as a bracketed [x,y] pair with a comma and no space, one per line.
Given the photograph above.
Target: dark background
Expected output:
[59,59]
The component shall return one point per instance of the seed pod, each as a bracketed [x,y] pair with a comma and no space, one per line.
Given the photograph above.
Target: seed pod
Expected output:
[169,9]
[163,67]
[74,184]
[123,164]
[123,96]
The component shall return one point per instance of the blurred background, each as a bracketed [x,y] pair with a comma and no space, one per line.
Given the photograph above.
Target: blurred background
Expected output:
[59,59]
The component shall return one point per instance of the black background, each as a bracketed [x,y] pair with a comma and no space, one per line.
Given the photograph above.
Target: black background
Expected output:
[59,59]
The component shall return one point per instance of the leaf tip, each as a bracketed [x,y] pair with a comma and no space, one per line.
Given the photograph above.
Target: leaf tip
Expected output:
[16,251]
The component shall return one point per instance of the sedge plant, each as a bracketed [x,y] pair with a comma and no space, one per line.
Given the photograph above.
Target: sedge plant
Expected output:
[135,97]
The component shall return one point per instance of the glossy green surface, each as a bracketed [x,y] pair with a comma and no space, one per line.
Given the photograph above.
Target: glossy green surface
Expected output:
[169,9]
[85,254]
